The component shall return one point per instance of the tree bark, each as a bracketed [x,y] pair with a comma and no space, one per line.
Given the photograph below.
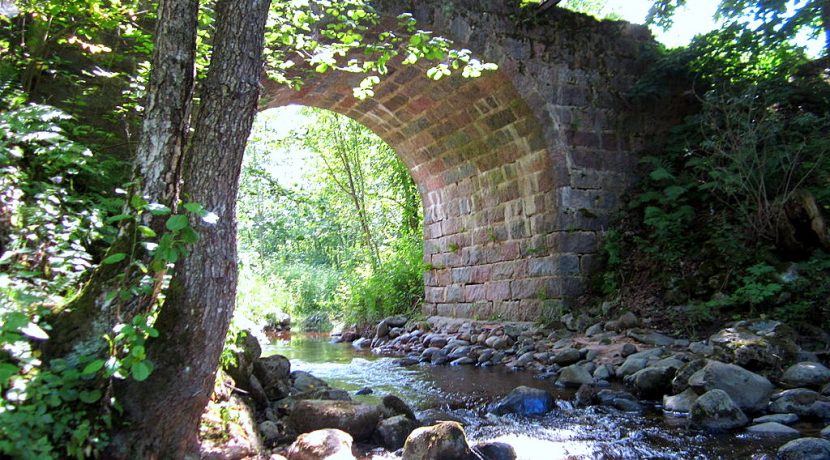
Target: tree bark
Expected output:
[161,415]
[169,95]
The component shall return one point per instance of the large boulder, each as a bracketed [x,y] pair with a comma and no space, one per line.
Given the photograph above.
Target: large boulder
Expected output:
[391,433]
[445,441]
[524,401]
[750,391]
[273,373]
[772,429]
[621,400]
[805,449]
[307,386]
[755,345]
[322,445]
[355,418]
[806,375]
[392,405]
[715,411]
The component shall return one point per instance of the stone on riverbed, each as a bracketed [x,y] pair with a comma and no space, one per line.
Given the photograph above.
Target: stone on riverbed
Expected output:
[322,445]
[445,440]
[784,419]
[772,429]
[806,375]
[651,382]
[357,419]
[805,449]
[273,373]
[715,411]
[391,433]
[523,401]
[494,451]
[621,400]
[802,402]
[749,391]
[574,376]
[681,403]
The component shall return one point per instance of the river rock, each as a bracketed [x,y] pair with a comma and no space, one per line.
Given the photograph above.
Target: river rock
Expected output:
[805,449]
[392,432]
[825,433]
[273,373]
[363,342]
[498,342]
[431,417]
[802,402]
[651,382]
[392,405]
[567,357]
[651,337]
[270,432]
[322,445]
[806,375]
[681,379]
[445,440]
[524,401]
[303,383]
[631,365]
[574,376]
[759,345]
[257,392]
[246,353]
[596,329]
[750,391]
[357,419]
[773,429]
[715,411]
[621,400]
[628,349]
[784,419]
[494,451]
[680,403]
[603,372]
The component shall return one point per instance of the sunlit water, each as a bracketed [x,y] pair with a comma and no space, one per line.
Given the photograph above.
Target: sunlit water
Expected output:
[595,433]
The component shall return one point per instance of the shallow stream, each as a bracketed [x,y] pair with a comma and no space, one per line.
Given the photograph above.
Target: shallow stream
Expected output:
[463,391]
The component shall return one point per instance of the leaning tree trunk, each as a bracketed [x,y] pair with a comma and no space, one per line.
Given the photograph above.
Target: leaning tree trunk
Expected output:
[161,414]
[156,164]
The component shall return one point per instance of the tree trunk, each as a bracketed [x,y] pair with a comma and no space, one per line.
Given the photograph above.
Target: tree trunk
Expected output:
[169,94]
[161,415]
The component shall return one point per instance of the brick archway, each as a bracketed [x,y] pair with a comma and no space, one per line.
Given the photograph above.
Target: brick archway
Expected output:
[519,170]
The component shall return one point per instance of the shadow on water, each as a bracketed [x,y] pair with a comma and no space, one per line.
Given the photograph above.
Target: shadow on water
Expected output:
[590,433]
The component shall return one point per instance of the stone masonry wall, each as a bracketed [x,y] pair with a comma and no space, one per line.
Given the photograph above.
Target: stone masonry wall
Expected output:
[520,170]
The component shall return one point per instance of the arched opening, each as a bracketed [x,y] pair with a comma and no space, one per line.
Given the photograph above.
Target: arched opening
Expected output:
[330,224]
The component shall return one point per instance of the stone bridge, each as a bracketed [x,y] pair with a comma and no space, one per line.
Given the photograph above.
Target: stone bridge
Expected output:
[521,170]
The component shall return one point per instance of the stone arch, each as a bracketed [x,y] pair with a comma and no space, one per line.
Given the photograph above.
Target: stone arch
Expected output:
[519,170]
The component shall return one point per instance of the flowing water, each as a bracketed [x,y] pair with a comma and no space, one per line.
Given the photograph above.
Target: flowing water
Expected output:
[595,433]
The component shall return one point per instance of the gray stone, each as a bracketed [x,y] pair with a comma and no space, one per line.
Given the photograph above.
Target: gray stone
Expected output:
[755,348]
[651,337]
[303,383]
[391,433]
[362,342]
[270,432]
[603,372]
[621,400]
[494,451]
[594,330]
[784,419]
[627,350]
[806,375]
[445,440]
[799,401]
[524,360]
[651,382]
[631,365]
[772,429]
[681,403]
[749,391]
[392,405]
[805,449]
[715,411]
[567,357]
[463,361]
[357,419]
[574,376]
[701,348]
[825,433]
[273,373]
[524,401]
[681,379]
[322,445]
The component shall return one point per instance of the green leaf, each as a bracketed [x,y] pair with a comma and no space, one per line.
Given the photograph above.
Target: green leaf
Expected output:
[661,174]
[157,209]
[176,223]
[90,397]
[189,236]
[7,370]
[142,370]
[119,218]
[93,367]
[195,208]
[146,232]
[114,258]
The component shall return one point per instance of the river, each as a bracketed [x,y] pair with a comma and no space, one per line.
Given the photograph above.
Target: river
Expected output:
[596,432]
